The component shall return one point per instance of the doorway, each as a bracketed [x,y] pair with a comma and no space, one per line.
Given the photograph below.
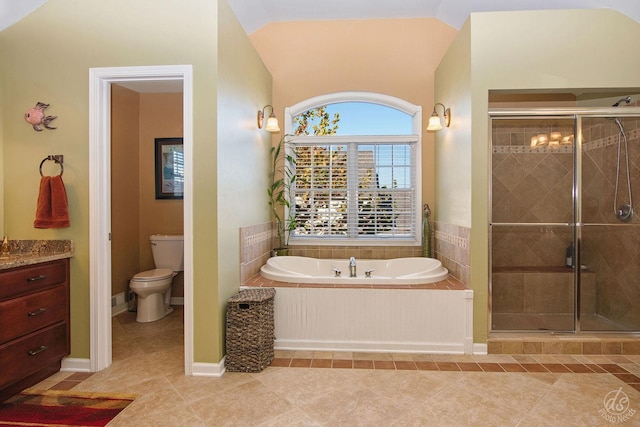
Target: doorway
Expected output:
[100,81]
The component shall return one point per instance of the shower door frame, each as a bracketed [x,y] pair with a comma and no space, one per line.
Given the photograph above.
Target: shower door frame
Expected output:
[577,115]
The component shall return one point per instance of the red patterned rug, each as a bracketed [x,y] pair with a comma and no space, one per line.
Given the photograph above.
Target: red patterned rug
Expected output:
[40,408]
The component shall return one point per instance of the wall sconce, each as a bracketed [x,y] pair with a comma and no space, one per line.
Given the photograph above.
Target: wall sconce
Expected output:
[272,120]
[434,120]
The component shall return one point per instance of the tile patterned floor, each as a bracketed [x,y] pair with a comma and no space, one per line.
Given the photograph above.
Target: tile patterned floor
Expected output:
[354,388]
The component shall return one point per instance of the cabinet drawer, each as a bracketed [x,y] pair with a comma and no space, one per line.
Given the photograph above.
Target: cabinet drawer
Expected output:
[27,355]
[31,312]
[24,280]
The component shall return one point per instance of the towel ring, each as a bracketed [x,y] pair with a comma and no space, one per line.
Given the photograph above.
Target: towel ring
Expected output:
[56,158]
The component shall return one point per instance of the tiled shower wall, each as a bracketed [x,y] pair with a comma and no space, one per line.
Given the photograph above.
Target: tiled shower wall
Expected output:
[530,185]
[613,251]
[535,186]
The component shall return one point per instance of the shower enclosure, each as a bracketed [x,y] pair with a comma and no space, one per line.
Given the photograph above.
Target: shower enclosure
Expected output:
[564,226]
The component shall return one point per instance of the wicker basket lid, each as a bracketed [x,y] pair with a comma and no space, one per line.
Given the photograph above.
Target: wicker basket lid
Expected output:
[253,295]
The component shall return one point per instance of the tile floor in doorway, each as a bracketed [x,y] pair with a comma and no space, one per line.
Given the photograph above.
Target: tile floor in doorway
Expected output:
[367,389]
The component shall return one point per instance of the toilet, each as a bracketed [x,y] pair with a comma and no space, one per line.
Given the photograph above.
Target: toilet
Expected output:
[153,287]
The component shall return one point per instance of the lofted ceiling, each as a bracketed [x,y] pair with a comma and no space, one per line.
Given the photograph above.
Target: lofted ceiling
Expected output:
[253,14]
[11,11]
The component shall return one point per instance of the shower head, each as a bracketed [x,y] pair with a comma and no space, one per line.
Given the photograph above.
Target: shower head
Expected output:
[625,100]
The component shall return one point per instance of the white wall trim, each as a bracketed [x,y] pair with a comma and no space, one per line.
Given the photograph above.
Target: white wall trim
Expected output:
[100,80]
[211,370]
[352,96]
[413,110]
[468,314]
[72,364]
[480,348]
[370,346]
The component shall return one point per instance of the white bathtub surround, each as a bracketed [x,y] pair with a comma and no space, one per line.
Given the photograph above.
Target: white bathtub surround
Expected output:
[374,320]
[407,305]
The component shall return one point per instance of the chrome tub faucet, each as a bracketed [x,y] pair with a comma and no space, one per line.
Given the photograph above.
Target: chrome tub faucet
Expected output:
[352,267]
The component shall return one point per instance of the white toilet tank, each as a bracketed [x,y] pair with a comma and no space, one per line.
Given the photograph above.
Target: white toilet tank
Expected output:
[168,251]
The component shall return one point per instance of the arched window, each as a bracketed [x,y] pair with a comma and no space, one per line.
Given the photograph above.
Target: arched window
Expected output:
[357,168]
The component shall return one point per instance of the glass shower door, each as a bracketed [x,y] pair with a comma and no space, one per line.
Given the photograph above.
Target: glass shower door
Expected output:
[610,232]
[532,224]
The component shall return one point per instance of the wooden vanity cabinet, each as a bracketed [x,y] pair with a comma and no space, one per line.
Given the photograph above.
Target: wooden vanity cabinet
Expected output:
[34,324]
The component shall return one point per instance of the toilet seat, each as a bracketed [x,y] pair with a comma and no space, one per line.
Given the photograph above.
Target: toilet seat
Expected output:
[153,275]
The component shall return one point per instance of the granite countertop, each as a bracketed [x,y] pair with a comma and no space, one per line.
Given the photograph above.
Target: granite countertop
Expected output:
[27,252]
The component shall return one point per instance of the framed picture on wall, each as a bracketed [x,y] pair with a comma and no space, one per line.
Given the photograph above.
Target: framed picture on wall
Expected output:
[169,168]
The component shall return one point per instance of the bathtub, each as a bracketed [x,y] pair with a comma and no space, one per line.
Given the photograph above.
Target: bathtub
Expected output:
[398,271]
[316,311]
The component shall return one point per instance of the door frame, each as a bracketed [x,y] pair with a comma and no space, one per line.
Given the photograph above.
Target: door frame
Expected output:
[100,80]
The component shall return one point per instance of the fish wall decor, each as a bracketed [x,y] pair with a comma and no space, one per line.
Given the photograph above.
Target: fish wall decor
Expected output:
[36,117]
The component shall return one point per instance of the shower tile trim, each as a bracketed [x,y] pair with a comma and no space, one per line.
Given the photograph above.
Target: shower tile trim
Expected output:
[586,146]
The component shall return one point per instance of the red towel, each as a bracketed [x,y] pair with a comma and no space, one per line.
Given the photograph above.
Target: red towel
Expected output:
[52,210]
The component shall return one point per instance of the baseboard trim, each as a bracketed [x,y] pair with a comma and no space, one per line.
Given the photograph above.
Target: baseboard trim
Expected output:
[480,348]
[371,347]
[73,364]
[211,370]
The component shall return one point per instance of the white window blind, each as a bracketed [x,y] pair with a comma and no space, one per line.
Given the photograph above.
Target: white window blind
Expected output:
[355,187]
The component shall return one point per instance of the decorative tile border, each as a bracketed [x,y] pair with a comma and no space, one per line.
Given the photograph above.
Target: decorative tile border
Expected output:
[254,239]
[452,239]
[525,149]
[564,148]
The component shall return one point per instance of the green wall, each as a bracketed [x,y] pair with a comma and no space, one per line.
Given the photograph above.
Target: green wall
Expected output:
[244,87]
[47,57]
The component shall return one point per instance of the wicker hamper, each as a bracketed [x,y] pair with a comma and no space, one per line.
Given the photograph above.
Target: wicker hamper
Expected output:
[250,334]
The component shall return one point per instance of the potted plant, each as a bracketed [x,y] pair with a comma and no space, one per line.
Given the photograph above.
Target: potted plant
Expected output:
[281,177]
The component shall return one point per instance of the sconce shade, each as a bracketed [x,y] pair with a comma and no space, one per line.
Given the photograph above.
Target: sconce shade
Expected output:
[272,120]
[434,120]
[272,124]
